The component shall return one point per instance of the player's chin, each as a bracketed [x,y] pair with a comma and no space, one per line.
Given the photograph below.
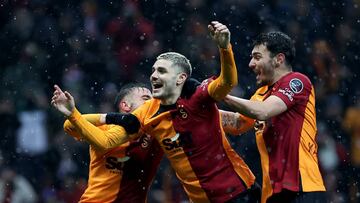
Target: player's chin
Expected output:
[260,83]
[156,94]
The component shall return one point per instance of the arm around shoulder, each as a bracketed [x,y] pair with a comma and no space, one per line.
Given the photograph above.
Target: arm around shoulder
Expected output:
[259,110]
[103,140]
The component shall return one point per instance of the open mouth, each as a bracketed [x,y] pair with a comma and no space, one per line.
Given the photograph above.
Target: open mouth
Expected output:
[257,73]
[157,86]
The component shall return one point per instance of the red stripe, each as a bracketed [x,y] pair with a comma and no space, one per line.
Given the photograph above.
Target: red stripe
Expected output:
[139,172]
[207,155]
[282,138]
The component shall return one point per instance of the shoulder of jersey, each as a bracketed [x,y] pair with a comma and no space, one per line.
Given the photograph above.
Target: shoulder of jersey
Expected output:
[297,81]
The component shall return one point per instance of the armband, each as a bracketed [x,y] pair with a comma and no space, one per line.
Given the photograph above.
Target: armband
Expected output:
[128,121]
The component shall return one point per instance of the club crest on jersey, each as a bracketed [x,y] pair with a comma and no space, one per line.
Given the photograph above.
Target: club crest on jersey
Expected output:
[183,113]
[296,85]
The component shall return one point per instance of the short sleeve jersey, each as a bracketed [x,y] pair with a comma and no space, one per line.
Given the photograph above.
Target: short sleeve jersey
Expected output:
[287,142]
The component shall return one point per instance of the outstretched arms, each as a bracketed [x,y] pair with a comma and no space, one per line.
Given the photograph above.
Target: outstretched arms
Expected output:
[64,103]
[70,129]
[260,110]
[220,87]
[103,140]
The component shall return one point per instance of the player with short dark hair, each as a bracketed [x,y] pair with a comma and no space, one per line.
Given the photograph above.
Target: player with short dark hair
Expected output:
[123,173]
[282,111]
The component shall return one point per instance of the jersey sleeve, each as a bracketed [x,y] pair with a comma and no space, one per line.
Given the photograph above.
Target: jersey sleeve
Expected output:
[70,129]
[293,89]
[100,139]
[235,123]
[244,123]
[222,85]
[140,112]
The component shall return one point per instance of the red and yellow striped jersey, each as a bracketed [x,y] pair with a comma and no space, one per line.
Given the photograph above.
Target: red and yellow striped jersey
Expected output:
[121,174]
[190,134]
[193,140]
[287,142]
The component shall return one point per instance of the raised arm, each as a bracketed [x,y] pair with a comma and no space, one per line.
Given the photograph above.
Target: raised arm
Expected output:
[65,104]
[227,79]
[235,123]
[70,129]
[103,140]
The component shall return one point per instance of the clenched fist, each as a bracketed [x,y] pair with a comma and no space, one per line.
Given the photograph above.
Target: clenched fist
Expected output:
[220,34]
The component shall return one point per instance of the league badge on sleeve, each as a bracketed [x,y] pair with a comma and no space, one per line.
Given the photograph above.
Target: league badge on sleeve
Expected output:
[296,85]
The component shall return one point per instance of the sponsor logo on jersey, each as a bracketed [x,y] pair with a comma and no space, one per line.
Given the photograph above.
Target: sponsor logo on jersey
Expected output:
[176,142]
[116,164]
[296,85]
[203,84]
[287,92]
[145,141]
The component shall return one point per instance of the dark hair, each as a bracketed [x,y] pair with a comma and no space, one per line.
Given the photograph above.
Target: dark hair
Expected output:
[277,42]
[177,60]
[125,90]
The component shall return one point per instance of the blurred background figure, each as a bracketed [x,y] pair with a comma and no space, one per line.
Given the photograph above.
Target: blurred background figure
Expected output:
[14,188]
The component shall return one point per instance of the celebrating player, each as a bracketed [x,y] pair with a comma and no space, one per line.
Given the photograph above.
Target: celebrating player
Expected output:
[186,124]
[123,173]
[284,110]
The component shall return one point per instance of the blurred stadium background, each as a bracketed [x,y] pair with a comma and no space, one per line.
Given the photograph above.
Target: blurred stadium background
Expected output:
[91,47]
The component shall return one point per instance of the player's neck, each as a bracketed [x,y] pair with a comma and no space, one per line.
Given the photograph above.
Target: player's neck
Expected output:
[279,74]
[172,98]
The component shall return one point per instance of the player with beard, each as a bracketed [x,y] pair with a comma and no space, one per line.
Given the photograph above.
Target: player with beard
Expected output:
[123,173]
[283,113]
[187,125]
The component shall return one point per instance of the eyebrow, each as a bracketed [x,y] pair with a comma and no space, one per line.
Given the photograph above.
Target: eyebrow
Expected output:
[159,67]
[146,96]
[255,53]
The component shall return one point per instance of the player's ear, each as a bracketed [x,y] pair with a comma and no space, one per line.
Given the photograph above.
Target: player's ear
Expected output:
[279,59]
[181,78]
[125,107]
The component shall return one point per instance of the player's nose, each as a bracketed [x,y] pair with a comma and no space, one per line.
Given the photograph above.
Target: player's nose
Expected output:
[252,64]
[153,76]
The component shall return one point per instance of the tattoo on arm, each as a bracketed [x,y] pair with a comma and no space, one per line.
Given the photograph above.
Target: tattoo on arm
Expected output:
[230,120]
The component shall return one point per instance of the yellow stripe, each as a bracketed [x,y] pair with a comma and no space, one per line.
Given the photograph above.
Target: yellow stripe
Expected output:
[181,165]
[239,165]
[177,157]
[266,190]
[101,180]
[266,184]
[311,179]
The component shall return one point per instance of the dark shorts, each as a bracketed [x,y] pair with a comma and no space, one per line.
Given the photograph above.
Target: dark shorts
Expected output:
[298,197]
[252,195]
